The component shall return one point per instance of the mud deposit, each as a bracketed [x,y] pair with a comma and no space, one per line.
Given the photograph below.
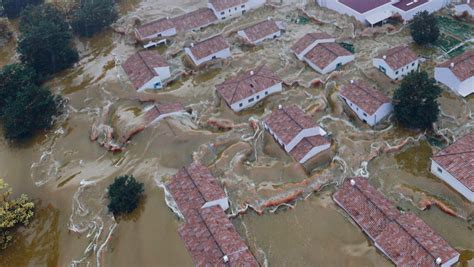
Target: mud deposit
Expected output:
[298,225]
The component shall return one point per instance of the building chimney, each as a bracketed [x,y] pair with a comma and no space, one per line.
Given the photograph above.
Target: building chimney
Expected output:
[384,57]
[438,260]
[192,44]
[251,72]
[352,81]
[451,65]
[225,259]
[269,18]
[280,107]
[353,182]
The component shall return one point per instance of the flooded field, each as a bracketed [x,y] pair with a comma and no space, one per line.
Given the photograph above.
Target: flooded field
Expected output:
[67,174]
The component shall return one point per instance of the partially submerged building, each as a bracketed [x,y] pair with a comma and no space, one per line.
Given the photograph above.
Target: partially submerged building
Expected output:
[455,166]
[261,31]
[249,88]
[376,11]
[458,73]
[397,62]
[227,9]
[401,236]
[208,234]
[161,28]
[368,103]
[297,133]
[213,48]
[161,111]
[194,20]
[147,70]
[466,6]
[321,53]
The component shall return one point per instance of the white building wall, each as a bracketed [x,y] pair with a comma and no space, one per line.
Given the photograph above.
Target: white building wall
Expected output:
[166,33]
[314,151]
[398,73]
[223,203]
[223,54]
[444,175]
[382,112]
[431,6]
[236,11]
[332,66]
[466,87]
[268,37]
[304,133]
[460,9]
[301,55]
[256,98]
[447,77]
[154,83]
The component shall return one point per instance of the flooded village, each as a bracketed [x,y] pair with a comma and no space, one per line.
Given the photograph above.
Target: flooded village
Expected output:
[264,134]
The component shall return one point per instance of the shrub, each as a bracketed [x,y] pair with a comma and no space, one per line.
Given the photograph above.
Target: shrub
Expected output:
[92,16]
[124,195]
[424,28]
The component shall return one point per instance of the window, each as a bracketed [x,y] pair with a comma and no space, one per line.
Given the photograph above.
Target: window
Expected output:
[258,96]
[382,69]
[157,85]
[243,6]
[413,64]
[251,85]
[223,18]
[266,92]
[365,114]
[214,57]
[236,8]
[251,100]
[158,35]
[357,109]
[223,12]
[229,10]
[440,170]
[338,66]
[274,36]
[396,72]
[240,105]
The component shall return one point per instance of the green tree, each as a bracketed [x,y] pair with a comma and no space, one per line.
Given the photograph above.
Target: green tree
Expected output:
[45,40]
[25,107]
[124,194]
[415,101]
[13,8]
[424,28]
[13,213]
[93,15]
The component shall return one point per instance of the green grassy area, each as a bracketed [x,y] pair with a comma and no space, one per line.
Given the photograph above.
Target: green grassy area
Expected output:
[453,32]
[446,42]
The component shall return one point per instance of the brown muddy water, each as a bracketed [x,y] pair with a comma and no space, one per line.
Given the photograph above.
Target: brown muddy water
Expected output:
[67,174]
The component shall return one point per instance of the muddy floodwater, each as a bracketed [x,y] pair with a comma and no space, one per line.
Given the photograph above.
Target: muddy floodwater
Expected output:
[67,174]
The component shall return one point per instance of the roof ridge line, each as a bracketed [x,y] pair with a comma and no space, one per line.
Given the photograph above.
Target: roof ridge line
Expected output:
[364,89]
[146,64]
[455,153]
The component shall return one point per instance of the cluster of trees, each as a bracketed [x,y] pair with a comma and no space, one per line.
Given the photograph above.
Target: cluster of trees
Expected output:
[14,212]
[124,195]
[424,28]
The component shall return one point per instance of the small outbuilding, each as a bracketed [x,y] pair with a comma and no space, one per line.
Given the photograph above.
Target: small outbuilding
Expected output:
[213,48]
[458,73]
[227,9]
[397,62]
[147,70]
[261,31]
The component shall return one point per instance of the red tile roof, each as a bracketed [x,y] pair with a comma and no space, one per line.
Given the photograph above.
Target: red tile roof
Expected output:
[162,109]
[306,144]
[261,30]
[324,54]
[140,67]
[463,65]
[247,84]
[288,122]
[194,20]
[403,237]
[220,5]
[209,46]
[406,5]
[154,28]
[398,57]
[365,5]
[367,97]
[458,160]
[309,39]
[193,186]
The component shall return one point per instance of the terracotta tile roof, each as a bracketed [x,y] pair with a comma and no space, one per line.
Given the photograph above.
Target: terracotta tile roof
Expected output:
[398,57]
[209,46]
[367,97]
[220,5]
[306,144]
[287,122]
[140,67]
[309,39]
[406,5]
[402,237]
[463,65]
[154,27]
[458,160]
[324,54]
[261,30]
[193,186]
[162,109]
[363,6]
[194,20]
[247,84]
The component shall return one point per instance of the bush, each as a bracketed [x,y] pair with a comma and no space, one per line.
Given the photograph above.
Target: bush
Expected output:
[415,101]
[92,16]
[424,28]
[45,40]
[124,195]
[13,8]
[25,107]
[13,213]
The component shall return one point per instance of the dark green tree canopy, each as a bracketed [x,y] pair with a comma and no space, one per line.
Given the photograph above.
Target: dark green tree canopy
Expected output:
[424,28]
[93,15]
[13,8]
[415,101]
[124,195]
[25,107]
[45,40]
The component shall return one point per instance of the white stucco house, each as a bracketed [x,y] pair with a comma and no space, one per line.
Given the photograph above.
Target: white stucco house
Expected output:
[458,73]
[466,6]
[297,133]
[227,9]
[376,11]
[147,70]
[321,53]
[261,31]
[157,29]
[397,62]
[249,88]
[368,103]
[455,166]
[213,48]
